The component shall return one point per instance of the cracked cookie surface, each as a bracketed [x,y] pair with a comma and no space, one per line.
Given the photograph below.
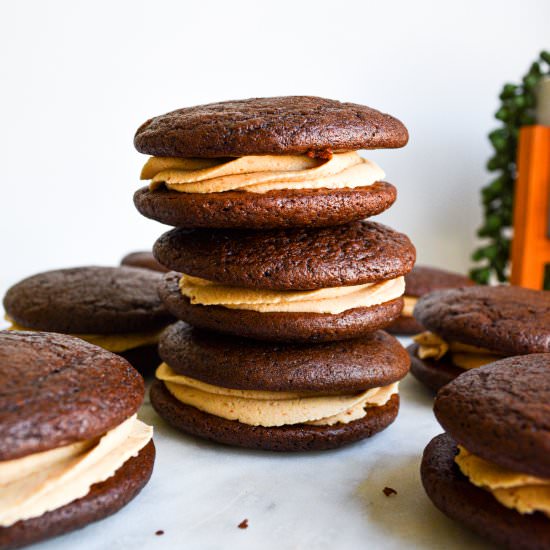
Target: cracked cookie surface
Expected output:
[56,390]
[289,259]
[287,125]
[507,319]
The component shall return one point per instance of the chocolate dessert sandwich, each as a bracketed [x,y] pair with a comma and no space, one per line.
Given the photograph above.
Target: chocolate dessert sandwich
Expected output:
[265,163]
[71,448]
[490,471]
[286,285]
[117,308]
[471,327]
[261,395]
[423,280]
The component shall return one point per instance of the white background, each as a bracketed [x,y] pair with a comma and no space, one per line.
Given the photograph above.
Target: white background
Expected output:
[78,78]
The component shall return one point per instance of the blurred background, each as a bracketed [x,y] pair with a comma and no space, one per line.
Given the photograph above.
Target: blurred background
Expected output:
[78,78]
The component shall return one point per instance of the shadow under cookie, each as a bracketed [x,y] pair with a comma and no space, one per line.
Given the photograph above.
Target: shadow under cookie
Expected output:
[145,359]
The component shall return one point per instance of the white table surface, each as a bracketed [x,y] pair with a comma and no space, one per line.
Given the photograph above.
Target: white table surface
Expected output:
[200,492]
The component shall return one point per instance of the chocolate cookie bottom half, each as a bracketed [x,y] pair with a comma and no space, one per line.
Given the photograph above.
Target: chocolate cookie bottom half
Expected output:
[282,208]
[300,437]
[474,507]
[103,500]
[278,326]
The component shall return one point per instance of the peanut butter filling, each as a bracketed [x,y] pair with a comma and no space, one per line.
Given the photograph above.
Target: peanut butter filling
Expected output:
[408,306]
[42,482]
[326,300]
[464,356]
[116,343]
[522,492]
[260,174]
[269,409]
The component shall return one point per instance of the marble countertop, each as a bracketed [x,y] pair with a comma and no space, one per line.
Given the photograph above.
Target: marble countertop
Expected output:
[200,492]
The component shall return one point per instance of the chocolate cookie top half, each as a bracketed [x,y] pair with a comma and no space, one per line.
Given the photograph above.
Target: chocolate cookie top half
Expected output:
[99,300]
[56,390]
[269,126]
[334,367]
[507,319]
[501,412]
[289,259]
[143,259]
[423,279]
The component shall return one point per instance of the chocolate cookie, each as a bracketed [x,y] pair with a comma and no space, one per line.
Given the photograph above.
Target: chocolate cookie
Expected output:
[433,374]
[278,326]
[103,500]
[299,437]
[55,390]
[500,412]
[268,126]
[144,259]
[289,259]
[354,365]
[476,508]
[281,208]
[422,280]
[95,300]
[405,326]
[506,319]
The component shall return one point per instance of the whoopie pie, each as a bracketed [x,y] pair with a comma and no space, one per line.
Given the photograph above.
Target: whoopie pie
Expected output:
[71,448]
[265,163]
[470,327]
[287,285]
[292,397]
[117,308]
[491,469]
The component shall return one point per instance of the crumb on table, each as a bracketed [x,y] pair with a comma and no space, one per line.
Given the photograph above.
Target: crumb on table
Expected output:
[388,491]
[243,524]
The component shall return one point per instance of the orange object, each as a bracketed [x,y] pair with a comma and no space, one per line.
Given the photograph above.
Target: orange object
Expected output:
[531,240]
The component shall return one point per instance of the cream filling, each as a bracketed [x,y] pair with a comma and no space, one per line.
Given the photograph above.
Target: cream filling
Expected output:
[38,483]
[268,409]
[115,343]
[522,492]
[464,356]
[326,300]
[408,306]
[262,173]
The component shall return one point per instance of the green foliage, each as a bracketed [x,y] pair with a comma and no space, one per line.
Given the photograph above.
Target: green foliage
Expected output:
[516,109]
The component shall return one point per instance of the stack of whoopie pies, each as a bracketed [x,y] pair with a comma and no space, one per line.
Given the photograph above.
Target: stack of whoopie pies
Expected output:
[284,287]
[471,327]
